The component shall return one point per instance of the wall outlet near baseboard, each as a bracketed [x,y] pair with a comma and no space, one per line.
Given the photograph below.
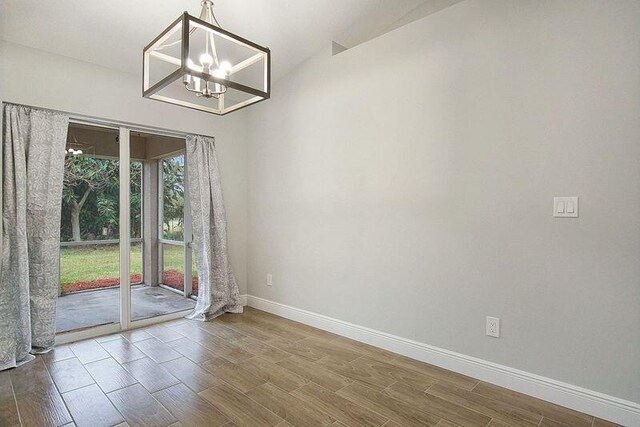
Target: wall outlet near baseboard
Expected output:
[493,327]
[269,279]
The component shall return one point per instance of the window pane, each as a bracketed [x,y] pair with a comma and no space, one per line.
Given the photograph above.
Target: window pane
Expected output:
[89,230]
[86,267]
[173,198]
[173,266]
[136,199]
[136,263]
[90,199]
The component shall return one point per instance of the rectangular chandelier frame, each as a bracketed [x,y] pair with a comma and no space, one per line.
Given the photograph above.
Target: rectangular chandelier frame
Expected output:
[183,24]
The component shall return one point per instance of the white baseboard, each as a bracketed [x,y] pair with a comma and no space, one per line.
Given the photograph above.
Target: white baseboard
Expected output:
[580,399]
[243,299]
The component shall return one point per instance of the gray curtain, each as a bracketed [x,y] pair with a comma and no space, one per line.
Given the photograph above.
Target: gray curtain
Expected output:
[32,171]
[217,287]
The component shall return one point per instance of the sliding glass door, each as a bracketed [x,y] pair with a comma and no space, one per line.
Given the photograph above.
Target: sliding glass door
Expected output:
[89,230]
[168,234]
[125,231]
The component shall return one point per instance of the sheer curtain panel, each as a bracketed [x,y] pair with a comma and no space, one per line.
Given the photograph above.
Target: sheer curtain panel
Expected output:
[217,287]
[33,152]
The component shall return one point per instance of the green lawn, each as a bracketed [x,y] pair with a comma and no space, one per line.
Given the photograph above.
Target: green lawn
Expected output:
[101,262]
[173,259]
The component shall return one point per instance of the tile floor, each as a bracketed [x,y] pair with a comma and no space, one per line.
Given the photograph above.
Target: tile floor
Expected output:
[254,369]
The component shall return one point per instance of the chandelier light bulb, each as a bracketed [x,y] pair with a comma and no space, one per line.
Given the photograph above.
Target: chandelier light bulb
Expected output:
[206,60]
[225,66]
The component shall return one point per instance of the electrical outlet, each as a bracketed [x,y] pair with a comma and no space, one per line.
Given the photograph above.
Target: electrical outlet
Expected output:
[493,327]
[269,279]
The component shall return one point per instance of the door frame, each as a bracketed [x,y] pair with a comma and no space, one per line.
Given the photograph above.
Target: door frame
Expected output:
[126,321]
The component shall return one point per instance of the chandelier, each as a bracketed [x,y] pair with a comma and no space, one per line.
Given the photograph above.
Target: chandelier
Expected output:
[194,63]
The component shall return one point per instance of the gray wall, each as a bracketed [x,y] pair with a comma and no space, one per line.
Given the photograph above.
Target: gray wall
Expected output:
[34,77]
[406,185]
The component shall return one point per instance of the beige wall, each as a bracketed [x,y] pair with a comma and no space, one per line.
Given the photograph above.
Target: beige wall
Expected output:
[33,77]
[406,185]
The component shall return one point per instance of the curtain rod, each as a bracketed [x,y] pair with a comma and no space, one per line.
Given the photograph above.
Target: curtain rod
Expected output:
[97,121]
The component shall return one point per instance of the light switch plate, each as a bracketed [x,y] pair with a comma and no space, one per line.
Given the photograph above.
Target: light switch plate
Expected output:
[565,207]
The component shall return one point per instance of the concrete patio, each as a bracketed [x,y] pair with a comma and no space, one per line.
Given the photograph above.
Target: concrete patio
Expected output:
[91,308]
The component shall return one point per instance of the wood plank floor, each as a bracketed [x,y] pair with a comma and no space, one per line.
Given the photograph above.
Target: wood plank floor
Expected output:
[255,369]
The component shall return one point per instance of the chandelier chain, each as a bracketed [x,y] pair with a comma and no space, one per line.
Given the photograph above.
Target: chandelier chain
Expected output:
[206,14]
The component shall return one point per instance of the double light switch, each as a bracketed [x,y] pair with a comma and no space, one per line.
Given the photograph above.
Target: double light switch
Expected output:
[565,207]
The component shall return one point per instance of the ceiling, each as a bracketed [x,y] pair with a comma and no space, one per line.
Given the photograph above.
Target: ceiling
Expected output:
[112,33]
